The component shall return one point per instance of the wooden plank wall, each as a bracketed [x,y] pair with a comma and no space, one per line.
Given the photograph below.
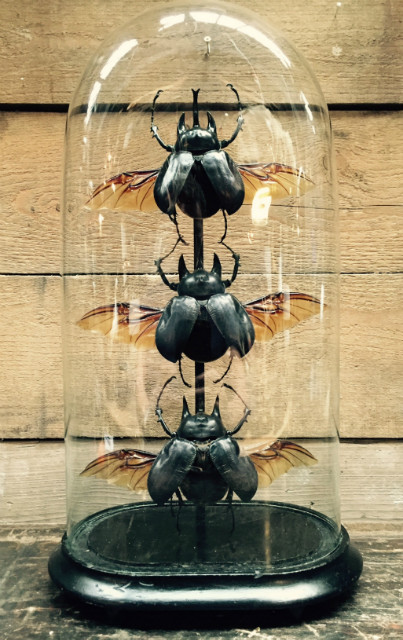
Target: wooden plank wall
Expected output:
[355,50]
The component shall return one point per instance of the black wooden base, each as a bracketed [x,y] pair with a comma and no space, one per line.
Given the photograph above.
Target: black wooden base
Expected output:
[276,556]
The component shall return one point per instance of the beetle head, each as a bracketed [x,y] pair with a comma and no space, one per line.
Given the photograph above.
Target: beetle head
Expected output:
[201,426]
[197,140]
[200,284]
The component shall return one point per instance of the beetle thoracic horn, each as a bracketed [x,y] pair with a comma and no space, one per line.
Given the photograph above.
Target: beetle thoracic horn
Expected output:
[211,126]
[181,125]
[182,268]
[216,408]
[216,266]
[195,108]
[185,409]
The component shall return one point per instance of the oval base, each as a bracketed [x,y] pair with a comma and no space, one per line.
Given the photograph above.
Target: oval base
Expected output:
[119,586]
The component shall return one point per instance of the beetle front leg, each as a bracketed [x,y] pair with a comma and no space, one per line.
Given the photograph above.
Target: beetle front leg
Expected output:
[154,128]
[246,412]
[161,273]
[158,413]
[225,143]
[237,262]
[240,121]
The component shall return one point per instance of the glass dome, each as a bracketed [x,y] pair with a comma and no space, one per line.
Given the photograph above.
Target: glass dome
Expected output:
[200,318]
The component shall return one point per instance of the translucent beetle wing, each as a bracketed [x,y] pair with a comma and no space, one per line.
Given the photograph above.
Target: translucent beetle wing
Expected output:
[273,459]
[128,468]
[129,191]
[278,180]
[279,311]
[124,322]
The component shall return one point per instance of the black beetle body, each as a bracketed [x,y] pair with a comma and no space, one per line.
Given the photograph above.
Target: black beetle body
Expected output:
[198,175]
[201,461]
[203,321]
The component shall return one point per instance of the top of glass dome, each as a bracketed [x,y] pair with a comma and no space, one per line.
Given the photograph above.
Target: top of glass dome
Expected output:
[175,46]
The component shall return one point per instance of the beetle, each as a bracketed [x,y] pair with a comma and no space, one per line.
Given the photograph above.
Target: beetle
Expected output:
[198,176]
[203,321]
[137,324]
[202,461]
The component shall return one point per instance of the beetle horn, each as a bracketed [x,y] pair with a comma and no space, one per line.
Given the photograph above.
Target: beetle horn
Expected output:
[181,125]
[195,108]
[216,408]
[182,268]
[211,126]
[185,409]
[216,266]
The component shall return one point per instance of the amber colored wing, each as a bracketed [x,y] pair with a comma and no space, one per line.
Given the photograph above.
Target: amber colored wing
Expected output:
[124,322]
[128,191]
[278,181]
[273,459]
[128,468]
[279,311]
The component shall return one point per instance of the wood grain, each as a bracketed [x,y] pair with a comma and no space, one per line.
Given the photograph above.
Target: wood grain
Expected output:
[31,372]
[31,365]
[33,483]
[370,199]
[355,49]
[35,608]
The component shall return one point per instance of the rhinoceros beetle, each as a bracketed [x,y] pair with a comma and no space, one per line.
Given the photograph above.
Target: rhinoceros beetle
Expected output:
[201,460]
[198,176]
[203,321]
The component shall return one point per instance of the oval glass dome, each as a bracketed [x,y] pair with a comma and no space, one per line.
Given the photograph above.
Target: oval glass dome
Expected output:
[201,320]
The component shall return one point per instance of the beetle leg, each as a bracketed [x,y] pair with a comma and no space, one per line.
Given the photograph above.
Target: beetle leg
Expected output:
[225,372]
[180,239]
[161,273]
[225,143]
[180,505]
[154,128]
[225,228]
[229,498]
[240,120]
[174,218]
[162,422]
[242,421]
[181,374]
[167,147]
[237,264]
[246,414]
